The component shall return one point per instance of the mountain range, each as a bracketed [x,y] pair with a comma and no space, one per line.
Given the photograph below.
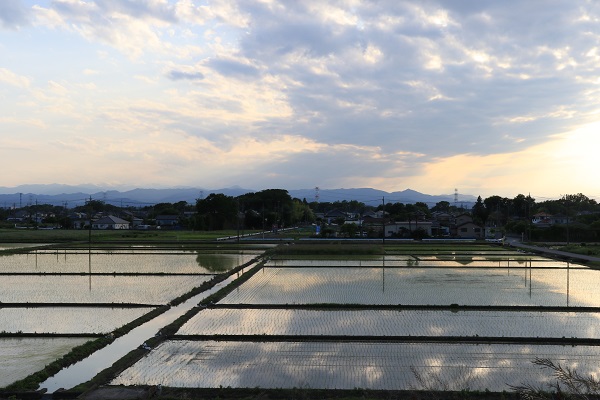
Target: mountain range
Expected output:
[71,196]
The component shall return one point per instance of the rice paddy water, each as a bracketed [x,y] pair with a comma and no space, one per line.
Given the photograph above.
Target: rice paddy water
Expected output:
[462,318]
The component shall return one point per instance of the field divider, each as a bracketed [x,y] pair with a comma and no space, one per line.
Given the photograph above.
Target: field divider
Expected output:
[426,267]
[392,339]
[50,335]
[103,274]
[78,305]
[400,307]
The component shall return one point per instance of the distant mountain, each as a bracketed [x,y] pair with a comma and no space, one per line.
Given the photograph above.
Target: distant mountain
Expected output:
[71,196]
[51,189]
[371,196]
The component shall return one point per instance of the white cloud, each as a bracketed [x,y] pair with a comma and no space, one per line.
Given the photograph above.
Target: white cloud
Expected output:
[10,78]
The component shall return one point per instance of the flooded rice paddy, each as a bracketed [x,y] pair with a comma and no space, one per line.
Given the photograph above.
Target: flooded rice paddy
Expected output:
[91,292]
[348,365]
[133,261]
[500,286]
[20,357]
[378,322]
[416,318]
[397,322]
[64,320]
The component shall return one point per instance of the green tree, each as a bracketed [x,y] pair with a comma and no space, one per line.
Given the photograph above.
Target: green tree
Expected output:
[348,230]
[276,205]
[522,206]
[441,206]
[480,213]
[216,212]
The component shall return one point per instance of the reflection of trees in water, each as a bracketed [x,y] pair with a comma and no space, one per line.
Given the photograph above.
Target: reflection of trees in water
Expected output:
[412,262]
[464,260]
[216,262]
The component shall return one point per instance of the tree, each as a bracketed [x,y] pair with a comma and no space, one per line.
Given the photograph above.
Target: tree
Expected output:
[216,212]
[480,213]
[276,204]
[348,230]
[522,205]
[441,206]
[497,208]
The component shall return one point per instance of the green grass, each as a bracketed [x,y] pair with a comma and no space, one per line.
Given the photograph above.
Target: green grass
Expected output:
[77,235]
[330,249]
[584,249]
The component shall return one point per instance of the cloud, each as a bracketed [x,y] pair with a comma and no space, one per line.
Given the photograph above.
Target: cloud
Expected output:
[233,68]
[371,93]
[185,75]
[151,9]
[131,26]
[13,14]
[10,78]
[447,79]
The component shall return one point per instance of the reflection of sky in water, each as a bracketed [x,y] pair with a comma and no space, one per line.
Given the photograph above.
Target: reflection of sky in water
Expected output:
[350,365]
[21,357]
[96,289]
[448,262]
[122,262]
[67,319]
[223,321]
[421,286]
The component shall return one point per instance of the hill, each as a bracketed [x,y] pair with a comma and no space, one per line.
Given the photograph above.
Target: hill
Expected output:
[71,196]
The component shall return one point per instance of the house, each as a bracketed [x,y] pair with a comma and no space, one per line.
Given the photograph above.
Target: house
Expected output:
[335,214]
[466,229]
[469,230]
[110,222]
[18,216]
[167,220]
[545,220]
[399,228]
[135,222]
[541,218]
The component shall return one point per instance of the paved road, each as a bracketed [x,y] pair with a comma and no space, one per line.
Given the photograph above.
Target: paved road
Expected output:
[556,253]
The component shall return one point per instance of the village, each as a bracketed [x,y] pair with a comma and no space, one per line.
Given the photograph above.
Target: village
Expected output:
[574,217]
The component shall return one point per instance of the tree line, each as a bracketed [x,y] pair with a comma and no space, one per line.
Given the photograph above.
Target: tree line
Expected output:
[274,208]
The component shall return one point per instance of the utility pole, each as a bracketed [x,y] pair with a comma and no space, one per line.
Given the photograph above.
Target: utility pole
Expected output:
[90,226]
[383,217]
[567,203]
[238,219]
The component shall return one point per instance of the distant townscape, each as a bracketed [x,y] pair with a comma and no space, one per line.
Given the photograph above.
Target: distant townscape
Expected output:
[343,213]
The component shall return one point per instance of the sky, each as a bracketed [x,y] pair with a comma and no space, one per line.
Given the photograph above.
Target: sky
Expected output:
[487,97]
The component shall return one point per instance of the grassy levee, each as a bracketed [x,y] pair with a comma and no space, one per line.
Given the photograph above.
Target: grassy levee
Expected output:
[82,235]
[326,394]
[329,249]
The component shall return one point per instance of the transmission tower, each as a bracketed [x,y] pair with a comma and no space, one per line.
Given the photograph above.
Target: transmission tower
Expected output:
[455,196]
[317,194]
